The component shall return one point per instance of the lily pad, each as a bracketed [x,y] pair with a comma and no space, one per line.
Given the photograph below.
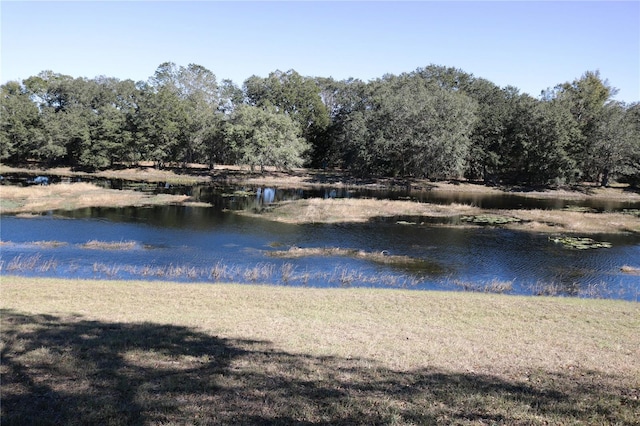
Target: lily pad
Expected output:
[633,212]
[239,193]
[490,219]
[580,243]
[579,209]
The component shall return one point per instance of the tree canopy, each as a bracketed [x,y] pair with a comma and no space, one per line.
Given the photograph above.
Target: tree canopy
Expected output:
[435,122]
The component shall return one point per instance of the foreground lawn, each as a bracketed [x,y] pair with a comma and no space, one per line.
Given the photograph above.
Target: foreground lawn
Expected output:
[101,352]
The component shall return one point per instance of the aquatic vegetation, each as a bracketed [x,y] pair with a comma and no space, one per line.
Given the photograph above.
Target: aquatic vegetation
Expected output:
[354,210]
[490,219]
[543,220]
[580,243]
[494,286]
[32,199]
[107,245]
[41,244]
[20,263]
[239,193]
[579,209]
[633,270]
[29,263]
[594,290]
[50,244]
[382,257]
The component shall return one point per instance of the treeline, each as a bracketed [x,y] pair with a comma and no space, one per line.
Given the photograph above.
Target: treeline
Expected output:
[435,122]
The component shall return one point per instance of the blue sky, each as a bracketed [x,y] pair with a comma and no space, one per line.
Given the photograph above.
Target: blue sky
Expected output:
[530,45]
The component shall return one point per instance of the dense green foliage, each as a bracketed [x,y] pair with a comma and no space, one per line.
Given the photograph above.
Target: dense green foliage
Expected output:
[434,122]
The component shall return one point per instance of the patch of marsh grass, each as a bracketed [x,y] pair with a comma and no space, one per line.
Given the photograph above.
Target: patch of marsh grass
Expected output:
[593,290]
[348,210]
[109,245]
[633,270]
[33,199]
[24,263]
[575,222]
[382,257]
[344,210]
[494,286]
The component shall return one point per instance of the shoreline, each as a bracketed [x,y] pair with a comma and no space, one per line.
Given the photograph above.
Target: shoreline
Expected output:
[301,178]
[38,199]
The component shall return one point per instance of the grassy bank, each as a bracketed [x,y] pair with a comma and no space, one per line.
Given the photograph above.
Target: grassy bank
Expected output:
[318,210]
[98,352]
[345,210]
[72,196]
[299,178]
[146,173]
[35,199]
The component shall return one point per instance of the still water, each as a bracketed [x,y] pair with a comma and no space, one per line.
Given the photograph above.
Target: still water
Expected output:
[208,244]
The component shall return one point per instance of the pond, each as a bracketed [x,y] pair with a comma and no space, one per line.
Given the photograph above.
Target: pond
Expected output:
[246,196]
[243,197]
[213,244]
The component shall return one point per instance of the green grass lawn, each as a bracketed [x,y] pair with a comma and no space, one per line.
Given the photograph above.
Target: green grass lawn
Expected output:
[115,352]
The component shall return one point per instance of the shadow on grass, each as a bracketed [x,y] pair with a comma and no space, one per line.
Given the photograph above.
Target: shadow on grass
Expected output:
[75,371]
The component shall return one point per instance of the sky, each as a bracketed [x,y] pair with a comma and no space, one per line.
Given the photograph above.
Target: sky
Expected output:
[530,45]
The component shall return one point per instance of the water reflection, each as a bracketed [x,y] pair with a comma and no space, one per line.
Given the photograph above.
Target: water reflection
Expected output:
[244,197]
[241,197]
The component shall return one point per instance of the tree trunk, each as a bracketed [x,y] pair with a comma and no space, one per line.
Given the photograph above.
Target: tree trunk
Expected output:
[605,178]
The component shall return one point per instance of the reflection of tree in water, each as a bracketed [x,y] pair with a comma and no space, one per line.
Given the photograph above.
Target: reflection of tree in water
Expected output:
[76,371]
[265,196]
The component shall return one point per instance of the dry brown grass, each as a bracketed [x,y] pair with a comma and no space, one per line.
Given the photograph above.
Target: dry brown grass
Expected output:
[586,191]
[572,222]
[109,245]
[17,199]
[633,270]
[146,173]
[78,352]
[377,257]
[317,210]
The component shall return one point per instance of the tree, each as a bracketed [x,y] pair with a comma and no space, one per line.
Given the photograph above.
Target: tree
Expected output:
[615,141]
[20,126]
[201,103]
[263,137]
[585,98]
[631,170]
[162,121]
[192,97]
[536,143]
[68,106]
[297,96]
[230,96]
[486,157]
[448,78]
[410,128]
[342,99]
